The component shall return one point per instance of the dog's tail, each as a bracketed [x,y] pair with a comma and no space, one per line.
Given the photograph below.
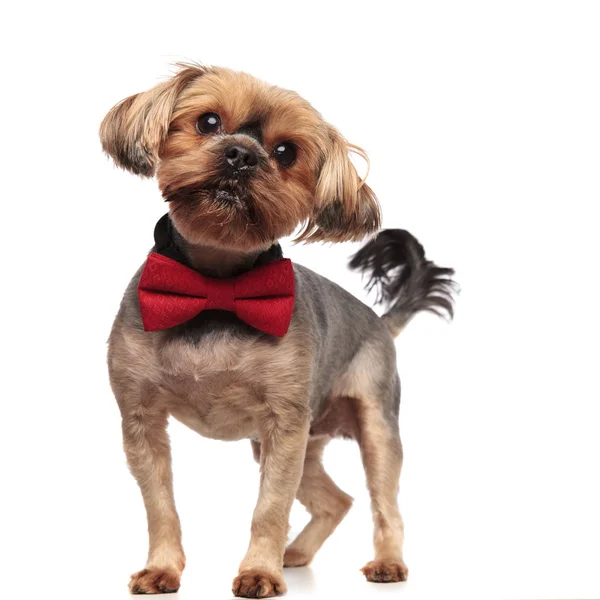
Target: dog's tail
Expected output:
[405,280]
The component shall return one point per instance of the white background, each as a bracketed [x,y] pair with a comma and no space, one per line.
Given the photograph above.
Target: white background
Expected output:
[482,121]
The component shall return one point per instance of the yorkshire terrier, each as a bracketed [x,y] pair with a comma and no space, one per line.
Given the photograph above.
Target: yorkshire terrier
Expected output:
[220,331]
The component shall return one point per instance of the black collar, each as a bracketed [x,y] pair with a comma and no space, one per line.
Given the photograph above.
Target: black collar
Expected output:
[166,238]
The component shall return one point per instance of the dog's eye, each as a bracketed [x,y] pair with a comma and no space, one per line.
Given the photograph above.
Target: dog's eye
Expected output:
[208,123]
[285,154]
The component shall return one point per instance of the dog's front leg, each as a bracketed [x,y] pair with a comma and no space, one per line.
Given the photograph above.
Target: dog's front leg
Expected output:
[283,435]
[147,447]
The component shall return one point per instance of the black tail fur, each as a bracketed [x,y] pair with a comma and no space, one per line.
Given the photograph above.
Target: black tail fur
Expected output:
[405,280]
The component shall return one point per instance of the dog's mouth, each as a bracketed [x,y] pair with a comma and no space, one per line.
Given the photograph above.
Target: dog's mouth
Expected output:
[227,197]
[230,193]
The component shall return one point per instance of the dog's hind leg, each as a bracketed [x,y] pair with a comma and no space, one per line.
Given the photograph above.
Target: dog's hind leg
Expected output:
[381,450]
[325,502]
[146,444]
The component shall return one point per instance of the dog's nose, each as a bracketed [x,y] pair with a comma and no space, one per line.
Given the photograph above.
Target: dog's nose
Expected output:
[241,158]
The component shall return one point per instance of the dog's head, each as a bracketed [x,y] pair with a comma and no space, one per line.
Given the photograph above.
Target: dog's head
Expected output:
[241,163]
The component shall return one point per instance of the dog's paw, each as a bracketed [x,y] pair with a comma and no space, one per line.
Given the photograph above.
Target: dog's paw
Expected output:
[385,571]
[154,581]
[258,583]
[295,558]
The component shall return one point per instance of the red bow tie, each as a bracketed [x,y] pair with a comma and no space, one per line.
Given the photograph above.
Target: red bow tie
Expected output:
[171,293]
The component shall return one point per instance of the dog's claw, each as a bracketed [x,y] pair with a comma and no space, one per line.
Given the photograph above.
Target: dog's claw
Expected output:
[385,571]
[154,581]
[258,583]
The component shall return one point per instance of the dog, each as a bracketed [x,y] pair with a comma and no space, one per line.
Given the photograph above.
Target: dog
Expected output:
[241,164]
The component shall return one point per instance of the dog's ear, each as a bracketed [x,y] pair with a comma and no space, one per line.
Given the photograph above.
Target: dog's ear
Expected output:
[346,208]
[133,131]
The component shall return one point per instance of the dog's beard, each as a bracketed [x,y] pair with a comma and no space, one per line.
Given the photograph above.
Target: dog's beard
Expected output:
[223,210]
[247,211]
